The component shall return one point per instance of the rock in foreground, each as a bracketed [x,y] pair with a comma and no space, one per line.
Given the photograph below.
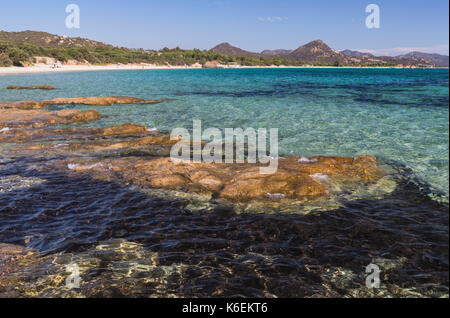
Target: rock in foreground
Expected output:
[130,154]
[18,135]
[234,182]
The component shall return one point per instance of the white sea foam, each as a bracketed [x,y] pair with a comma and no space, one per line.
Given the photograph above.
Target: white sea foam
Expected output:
[60,145]
[75,166]
[319,176]
[15,182]
[307,160]
[275,195]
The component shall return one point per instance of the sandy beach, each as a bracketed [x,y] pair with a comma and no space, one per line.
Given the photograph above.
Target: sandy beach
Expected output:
[37,69]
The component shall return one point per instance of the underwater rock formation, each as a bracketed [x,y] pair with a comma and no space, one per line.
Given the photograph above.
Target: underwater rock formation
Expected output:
[233,182]
[120,130]
[97,101]
[37,118]
[44,87]
[134,155]
[19,135]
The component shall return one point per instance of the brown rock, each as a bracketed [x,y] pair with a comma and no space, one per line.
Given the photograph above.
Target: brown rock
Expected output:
[25,104]
[38,118]
[98,101]
[44,87]
[125,129]
[67,113]
[240,182]
[25,134]
[168,181]
[84,116]
[296,178]
[207,181]
[256,186]
[211,64]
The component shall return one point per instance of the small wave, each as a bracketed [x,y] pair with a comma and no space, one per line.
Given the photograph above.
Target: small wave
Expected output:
[307,160]
[76,166]
[319,177]
[274,196]
[11,183]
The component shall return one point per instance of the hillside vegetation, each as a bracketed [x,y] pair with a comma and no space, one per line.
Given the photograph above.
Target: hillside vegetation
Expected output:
[25,54]
[31,47]
[23,48]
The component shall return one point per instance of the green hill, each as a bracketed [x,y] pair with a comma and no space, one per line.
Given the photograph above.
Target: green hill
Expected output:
[48,40]
[229,50]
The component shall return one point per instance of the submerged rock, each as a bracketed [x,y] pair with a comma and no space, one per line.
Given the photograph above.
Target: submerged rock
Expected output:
[100,101]
[24,104]
[97,101]
[37,118]
[75,115]
[44,87]
[125,129]
[16,135]
[233,182]
[147,163]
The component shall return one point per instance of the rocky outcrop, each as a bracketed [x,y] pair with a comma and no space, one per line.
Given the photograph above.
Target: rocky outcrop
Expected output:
[211,64]
[28,113]
[295,179]
[37,118]
[148,144]
[130,154]
[18,135]
[44,87]
[152,145]
[24,104]
[100,101]
[125,129]
[76,115]
[97,101]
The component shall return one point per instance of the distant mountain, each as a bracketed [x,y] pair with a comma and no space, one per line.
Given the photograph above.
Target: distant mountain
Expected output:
[48,40]
[356,53]
[317,52]
[229,50]
[436,59]
[410,58]
[276,52]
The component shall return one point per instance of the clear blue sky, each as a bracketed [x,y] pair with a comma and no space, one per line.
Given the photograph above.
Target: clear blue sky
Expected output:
[250,24]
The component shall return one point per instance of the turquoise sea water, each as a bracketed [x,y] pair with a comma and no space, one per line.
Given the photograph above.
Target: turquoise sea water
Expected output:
[132,241]
[399,115]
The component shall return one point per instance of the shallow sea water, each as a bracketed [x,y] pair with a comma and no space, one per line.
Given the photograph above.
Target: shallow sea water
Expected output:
[400,115]
[130,241]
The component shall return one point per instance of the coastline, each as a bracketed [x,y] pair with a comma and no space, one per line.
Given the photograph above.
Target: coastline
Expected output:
[42,69]
[39,69]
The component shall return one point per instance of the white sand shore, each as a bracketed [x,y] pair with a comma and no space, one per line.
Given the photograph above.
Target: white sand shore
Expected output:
[37,69]
[81,68]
